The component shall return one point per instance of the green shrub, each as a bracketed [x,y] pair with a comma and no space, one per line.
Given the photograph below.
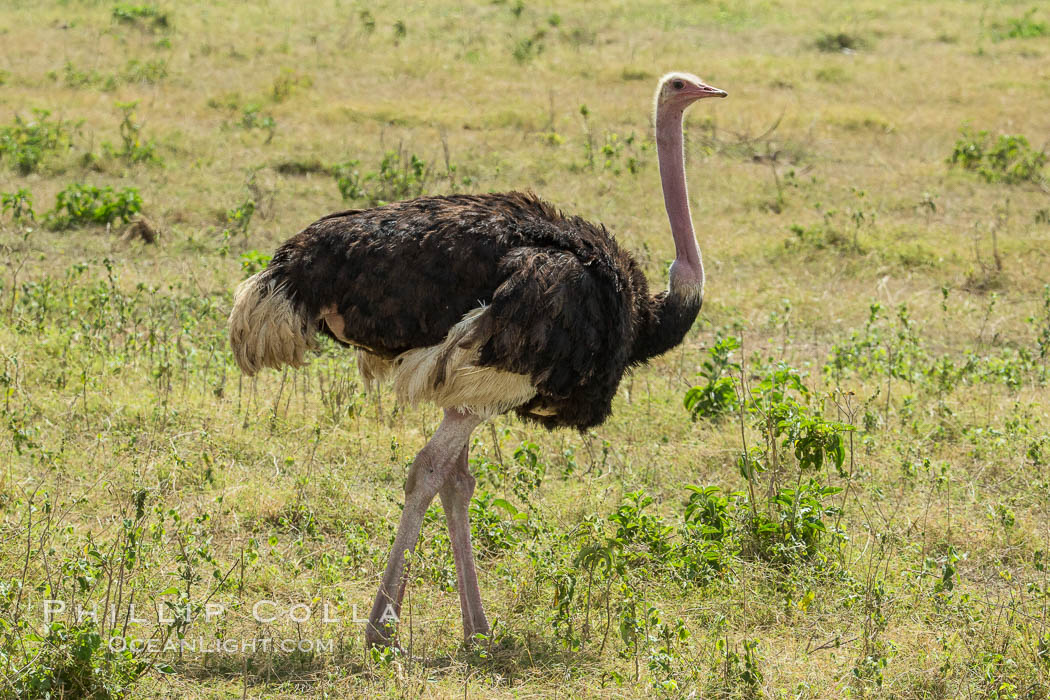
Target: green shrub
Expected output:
[348,180]
[134,148]
[20,204]
[26,143]
[491,531]
[526,49]
[894,347]
[785,524]
[1023,27]
[885,347]
[308,166]
[717,397]
[253,261]
[400,176]
[1041,324]
[253,118]
[709,535]
[613,151]
[792,530]
[77,78]
[143,16]
[240,217]
[76,662]
[646,546]
[840,42]
[368,21]
[1008,159]
[287,83]
[641,535]
[82,205]
[150,72]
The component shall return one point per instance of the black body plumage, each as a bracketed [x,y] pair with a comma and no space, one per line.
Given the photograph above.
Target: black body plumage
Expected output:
[566,305]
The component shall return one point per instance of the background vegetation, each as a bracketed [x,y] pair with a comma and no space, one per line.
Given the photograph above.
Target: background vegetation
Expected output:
[837,486]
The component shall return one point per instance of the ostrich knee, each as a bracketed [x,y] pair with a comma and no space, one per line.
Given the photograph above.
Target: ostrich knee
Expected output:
[428,472]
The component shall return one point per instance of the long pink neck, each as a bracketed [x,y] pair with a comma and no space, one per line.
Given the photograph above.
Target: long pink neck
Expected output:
[687,271]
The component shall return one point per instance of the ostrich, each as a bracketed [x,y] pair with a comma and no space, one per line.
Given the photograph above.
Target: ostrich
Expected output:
[480,304]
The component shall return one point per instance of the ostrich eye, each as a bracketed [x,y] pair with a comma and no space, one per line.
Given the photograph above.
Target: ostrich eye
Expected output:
[678,84]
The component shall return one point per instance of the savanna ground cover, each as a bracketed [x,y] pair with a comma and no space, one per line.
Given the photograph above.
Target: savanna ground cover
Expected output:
[837,486]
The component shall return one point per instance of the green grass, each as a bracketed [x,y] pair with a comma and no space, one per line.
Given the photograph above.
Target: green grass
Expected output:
[753,545]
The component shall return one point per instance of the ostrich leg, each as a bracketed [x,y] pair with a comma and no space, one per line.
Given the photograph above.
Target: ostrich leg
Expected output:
[455,498]
[429,471]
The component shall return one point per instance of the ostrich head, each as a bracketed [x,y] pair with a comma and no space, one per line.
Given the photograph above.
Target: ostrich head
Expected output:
[679,90]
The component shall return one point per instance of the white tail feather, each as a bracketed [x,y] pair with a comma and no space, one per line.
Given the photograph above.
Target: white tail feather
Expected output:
[265,330]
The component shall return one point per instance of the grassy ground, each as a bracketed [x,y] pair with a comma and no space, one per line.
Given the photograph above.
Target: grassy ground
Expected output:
[139,467]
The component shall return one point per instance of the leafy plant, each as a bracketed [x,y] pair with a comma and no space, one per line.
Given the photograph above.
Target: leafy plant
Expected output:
[491,531]
[528,476]
[742,674]
[524,473]
[253,261]
[143,16]
[831,234]
[26,143]
[665,640]
[348,180]
[240,216]
[20,204]
[76,78]
[86,654]
[875,653]
[253,118]
[133,149]
[1023,27]
[150,72]
[588,146]
[709,535]
[881,349]
[75,661]
[1008,158]
[614,150]
[718,397]
[287,83]
[1041,324]
[400,176]
[840,42]
[635,620]
[708,515]
[791,523]
[795,524]
[368,21]
[80,205]
[527,48]
[641,536]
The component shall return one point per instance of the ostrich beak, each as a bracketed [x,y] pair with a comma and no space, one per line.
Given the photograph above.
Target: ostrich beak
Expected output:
[708,91]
